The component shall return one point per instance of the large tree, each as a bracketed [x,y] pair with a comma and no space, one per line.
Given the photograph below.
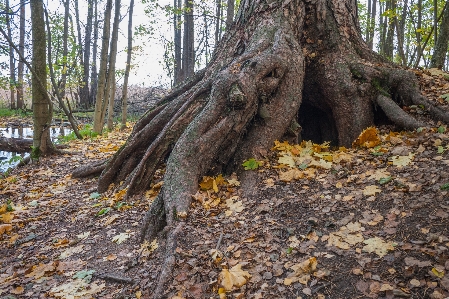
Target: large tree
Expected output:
[282,64]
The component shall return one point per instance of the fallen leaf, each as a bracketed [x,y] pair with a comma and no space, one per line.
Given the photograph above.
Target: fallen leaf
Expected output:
[378,246]
[120,238]
[368,138]
[371,190]
[233,278]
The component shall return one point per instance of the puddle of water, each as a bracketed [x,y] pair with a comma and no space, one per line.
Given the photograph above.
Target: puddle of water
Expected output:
[27,133]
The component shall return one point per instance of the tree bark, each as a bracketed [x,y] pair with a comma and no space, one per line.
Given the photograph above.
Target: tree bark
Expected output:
[439,53]
[278,62]
[230,14]
[42,107]
[84,90]
[111,85]
[12,64]
[94,75]
[188,49]
[128,65]
[20,66]
[177,40]
[100,102]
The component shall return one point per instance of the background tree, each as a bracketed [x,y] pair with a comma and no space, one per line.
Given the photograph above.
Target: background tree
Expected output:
[439,53]
[42,106]
[20,67]
[100,102]
[12,64]
[128,64]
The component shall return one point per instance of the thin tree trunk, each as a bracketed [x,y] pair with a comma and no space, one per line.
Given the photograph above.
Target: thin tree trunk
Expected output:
[368,21]
[12,65]
[177,42]
[372,25]
[418,33]
[84,91]
[230,14]
[218,13]
[94,75]
[100,102]
[111,85]
[20,67]
[188,51]
[435,20]
[78,28]
[42,107]
[65,50]
[439,53]
[128,65]
[59,90]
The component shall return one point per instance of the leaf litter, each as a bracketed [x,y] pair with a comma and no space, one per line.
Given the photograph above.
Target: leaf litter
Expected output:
[321,222]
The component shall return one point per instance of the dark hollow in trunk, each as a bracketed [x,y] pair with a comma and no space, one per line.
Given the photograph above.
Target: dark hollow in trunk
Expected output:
[281,65]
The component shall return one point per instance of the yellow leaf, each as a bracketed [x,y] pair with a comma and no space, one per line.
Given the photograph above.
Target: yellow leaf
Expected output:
[438,272]
[287,160]
[5,228]
[368,138]
[138,294]
[233,278]
[236,206]
[292,174]
[7,217]
[378,246]
[17,290]
[371,190]
[401,161]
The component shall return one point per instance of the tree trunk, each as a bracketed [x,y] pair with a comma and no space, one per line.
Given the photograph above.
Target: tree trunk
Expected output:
[128,65]
[94,75]
[20,66]
[100,101]
[42,107]
[188,49]
[281,64]
[111,86]
[230,14]
[12,64]
[439,53]
[84,90]
[177,42]
[218,12]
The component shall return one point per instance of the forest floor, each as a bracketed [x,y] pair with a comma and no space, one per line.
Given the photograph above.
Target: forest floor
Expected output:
[366,222]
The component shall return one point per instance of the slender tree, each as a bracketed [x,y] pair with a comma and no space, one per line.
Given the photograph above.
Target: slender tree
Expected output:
[12,64]
[20,67]
[100,102]
[84,90]
[177,41]
[42,106]
[128,65]
[94,75]
[440,50]
[230,14]
[188,49]
[110,84]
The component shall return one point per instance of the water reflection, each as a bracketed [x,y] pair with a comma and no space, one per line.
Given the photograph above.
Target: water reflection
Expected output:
[27,133]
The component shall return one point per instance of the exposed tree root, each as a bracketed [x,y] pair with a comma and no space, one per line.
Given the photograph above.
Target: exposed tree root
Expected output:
[396,114]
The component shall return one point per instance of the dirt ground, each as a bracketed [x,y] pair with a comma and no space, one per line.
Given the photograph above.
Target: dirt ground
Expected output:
[366,222]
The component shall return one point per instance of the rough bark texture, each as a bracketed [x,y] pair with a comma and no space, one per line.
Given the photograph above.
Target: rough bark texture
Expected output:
[283,63]
[42,107]
[439,54]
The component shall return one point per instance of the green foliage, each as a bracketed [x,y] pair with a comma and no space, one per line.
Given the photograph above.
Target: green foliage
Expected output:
[103,211]
[386,180]
[35,153]
[251,164]
[86,131]
[445,187]
[6,112]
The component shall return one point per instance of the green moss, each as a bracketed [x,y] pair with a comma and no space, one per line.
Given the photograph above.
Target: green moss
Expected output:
[35,153]
[378,86]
